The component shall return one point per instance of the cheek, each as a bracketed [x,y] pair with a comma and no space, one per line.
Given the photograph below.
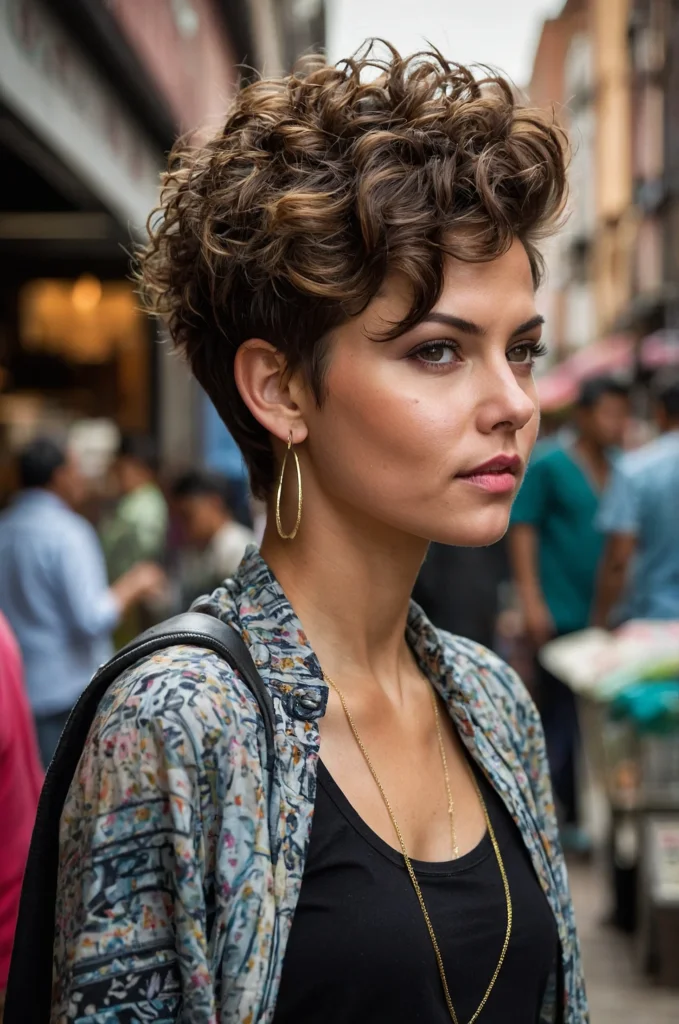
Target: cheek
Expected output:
[604,426]
[383,422]
[204,524]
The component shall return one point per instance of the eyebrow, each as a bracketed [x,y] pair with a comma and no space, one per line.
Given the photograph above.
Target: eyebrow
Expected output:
[469,327]
[528,325]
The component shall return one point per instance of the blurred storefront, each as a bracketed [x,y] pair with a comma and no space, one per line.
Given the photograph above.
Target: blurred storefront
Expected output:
[92,96]
[78,169]
[609,69]
[612,69]
[653,39]
[562,80]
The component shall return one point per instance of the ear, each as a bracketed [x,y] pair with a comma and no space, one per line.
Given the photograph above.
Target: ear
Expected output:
[267,388]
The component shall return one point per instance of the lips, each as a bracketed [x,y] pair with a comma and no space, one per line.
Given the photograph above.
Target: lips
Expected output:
[498,475]
[500,464]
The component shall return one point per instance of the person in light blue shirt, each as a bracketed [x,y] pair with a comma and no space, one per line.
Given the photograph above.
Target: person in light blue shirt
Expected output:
[53,587]
[640,514]
[555,550]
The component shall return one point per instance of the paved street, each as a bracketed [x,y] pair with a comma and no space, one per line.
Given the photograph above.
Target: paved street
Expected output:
[618,994]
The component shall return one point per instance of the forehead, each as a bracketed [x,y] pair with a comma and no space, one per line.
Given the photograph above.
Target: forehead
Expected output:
[610,399]
[495,294]
[510,270]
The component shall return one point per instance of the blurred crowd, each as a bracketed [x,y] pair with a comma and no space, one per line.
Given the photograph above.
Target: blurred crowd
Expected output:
[73,588]
[594,540]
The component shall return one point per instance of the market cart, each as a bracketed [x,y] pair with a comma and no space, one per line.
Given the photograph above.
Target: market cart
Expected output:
[627,686]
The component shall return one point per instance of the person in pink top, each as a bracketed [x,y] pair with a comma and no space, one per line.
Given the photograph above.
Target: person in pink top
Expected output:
[20,782]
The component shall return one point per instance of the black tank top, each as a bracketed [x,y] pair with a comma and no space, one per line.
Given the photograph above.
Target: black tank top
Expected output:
[359,951]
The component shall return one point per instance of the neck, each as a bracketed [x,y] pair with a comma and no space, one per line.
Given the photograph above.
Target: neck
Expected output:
[55,492]
[141,481]
[215,526]
[349,581]
[591,449]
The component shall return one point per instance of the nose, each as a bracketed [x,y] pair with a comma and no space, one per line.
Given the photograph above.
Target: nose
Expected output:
[506,404]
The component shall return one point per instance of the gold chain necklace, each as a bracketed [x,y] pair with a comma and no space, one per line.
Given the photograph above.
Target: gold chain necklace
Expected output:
[409,866]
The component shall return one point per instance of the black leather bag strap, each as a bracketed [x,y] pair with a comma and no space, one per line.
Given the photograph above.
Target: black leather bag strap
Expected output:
[29,988]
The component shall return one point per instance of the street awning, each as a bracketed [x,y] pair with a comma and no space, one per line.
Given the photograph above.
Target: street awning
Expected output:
[614,354]
[559,387]
[659,350]
[556,389]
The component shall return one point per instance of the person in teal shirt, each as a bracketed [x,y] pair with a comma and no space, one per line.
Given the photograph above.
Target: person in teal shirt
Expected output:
[640,570]
[555,549]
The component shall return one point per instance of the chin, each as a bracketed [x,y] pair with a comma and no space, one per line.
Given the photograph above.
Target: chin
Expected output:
[476,529]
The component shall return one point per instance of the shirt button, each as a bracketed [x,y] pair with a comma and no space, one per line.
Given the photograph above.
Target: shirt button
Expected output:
[309,701]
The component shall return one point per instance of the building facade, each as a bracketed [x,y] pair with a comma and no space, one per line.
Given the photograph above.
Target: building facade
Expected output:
[615,214]
[654,52]
[92,97]
[562,83]
[614,270]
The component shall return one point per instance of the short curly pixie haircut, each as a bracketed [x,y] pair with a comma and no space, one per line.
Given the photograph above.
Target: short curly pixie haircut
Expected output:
[320,184]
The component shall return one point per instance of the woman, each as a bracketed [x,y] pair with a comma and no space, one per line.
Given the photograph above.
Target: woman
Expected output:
[350,268]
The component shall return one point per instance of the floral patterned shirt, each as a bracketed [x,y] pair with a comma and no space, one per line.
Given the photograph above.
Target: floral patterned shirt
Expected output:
[182,859]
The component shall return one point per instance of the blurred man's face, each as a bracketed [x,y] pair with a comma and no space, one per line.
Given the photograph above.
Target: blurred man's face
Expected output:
[605,422]
[200,515]
[70,484]
[128,474]
[663,419]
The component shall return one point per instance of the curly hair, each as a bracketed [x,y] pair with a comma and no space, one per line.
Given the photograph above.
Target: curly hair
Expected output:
[286,222]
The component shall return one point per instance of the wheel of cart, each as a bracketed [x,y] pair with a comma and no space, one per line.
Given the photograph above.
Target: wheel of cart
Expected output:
[658,895]
[627,685]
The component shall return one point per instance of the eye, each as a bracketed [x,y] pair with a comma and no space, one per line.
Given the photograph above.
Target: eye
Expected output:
[437,353]
[526,352]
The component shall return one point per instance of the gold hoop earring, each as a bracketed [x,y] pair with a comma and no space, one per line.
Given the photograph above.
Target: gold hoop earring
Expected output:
[279,525]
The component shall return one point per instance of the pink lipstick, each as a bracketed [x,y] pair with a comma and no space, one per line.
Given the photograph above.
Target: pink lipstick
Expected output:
[498,475]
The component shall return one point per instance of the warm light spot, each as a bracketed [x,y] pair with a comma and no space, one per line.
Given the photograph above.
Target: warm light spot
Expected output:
[82,321]
[86,293]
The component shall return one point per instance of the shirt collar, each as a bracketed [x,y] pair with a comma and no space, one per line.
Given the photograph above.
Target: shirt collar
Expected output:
[282,652]
[255,603]
[269,619]
[41,496]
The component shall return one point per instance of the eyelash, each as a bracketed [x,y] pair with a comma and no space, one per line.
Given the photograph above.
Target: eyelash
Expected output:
[536,348]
